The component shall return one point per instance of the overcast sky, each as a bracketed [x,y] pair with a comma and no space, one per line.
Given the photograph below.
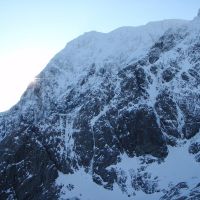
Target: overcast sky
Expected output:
[32,31]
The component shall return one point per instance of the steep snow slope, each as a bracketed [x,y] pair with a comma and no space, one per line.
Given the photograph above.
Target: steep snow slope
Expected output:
[113,115]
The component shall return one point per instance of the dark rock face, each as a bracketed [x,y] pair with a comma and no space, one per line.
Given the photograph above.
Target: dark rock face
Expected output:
[135,110]
[176,192]
[167,110]
[169,74]
[192,115]
[27,171]
[144,135]
[143,181]
[194,148]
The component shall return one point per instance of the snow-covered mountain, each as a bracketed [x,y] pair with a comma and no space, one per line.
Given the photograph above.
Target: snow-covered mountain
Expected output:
[112,116]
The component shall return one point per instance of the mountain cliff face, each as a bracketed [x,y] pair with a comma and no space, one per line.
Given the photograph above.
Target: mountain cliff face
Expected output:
[113,116]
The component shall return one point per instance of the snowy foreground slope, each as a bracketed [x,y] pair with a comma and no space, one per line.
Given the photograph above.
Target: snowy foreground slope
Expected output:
[112,116]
